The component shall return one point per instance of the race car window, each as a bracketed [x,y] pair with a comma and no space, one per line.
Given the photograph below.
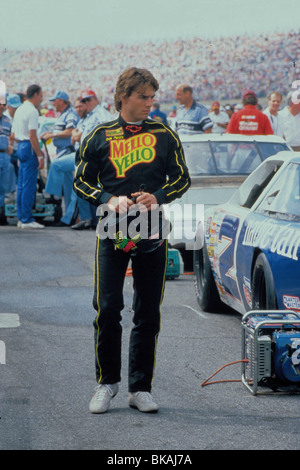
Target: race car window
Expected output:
[244,158]
[199,158]
[267,149]
[283,199]
[254,185]
[235,158]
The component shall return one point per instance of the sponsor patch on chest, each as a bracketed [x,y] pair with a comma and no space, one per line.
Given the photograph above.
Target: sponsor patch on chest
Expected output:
[126,153]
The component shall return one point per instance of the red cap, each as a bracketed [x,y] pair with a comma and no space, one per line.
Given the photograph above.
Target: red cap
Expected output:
[248,93]
[215,105]
[87,94]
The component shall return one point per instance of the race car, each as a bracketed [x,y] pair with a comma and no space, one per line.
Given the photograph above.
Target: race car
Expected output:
[218,164]
[251,249]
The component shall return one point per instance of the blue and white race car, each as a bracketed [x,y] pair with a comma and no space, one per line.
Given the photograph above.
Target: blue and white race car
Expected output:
[250,258]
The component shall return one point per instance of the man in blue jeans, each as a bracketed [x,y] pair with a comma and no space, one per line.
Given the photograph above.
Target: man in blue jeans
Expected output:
[60,178]
[5,149]
[31,158]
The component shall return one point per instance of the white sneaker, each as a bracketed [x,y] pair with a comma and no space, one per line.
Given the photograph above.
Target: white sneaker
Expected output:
[32,225]
[102,397]
[143,401]
[19,224]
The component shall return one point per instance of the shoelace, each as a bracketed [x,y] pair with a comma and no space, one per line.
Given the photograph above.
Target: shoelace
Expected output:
[146,395]
[101,391]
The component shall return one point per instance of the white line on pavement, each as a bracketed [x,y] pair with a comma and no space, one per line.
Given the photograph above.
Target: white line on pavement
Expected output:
[196,311]
[9,320]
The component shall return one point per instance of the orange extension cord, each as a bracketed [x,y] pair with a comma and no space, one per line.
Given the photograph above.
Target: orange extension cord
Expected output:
[206,382]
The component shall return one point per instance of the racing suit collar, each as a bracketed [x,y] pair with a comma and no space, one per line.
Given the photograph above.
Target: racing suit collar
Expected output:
[125,124]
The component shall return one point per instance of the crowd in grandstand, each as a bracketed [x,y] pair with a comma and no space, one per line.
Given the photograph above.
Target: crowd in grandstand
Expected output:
[189,72]
[217,69]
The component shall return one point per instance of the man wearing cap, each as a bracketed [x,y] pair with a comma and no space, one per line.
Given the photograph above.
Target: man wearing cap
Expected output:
[229,110]
[219,118]
[13,103]
[156,114]
[249,120]
[192,117]
[96,112]
[24,130]
[61,135]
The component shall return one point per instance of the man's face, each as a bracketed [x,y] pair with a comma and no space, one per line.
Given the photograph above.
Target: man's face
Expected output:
[90,103]
[39,98]
[138,105]
[81,108]
[2,106]
[58,104]
[274,103]
[182,96]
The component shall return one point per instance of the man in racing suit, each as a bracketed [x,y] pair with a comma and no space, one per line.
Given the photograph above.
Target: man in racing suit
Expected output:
[126,163]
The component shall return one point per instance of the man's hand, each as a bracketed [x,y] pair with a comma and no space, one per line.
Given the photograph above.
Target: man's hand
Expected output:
[146,201]
[47,135]
[120,204]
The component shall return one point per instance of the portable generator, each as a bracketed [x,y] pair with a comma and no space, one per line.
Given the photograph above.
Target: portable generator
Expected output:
[174,264]
[271,351]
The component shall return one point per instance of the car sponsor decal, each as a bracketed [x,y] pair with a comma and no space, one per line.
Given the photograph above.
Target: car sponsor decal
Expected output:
[291,302]
[247,291]
[283,240]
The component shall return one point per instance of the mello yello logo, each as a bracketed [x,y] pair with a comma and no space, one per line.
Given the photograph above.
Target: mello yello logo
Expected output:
[125,153]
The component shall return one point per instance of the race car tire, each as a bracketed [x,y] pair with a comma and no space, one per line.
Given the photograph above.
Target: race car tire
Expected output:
[205,287]
[263,287]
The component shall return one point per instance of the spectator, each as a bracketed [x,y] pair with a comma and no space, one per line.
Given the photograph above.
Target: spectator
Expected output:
[66,165]
[24,129]
[219,118]
[61,135]
[173,112]
[156,114]
[255,61]
[5,150]
[291,120]
[192,117]
[229,110]
[249,120]
[50,113]
[96,112]
[274,104]
[13,103]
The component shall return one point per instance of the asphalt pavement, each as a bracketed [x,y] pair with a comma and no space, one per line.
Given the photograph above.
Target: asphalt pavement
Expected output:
[47,364]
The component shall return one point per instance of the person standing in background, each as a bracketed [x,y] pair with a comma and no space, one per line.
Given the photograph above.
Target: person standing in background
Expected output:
[219,118]
[192,117]
[272,111]
[31,158]
[291,120]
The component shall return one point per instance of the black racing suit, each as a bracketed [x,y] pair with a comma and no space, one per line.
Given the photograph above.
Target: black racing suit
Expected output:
[115,159]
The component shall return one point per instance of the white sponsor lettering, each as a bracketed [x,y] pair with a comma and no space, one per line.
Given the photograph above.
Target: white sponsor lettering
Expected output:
[281,240]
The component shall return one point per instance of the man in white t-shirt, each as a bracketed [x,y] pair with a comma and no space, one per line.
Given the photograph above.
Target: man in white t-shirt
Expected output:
[272,111]
[31,158]
[291,120]
[219,118]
